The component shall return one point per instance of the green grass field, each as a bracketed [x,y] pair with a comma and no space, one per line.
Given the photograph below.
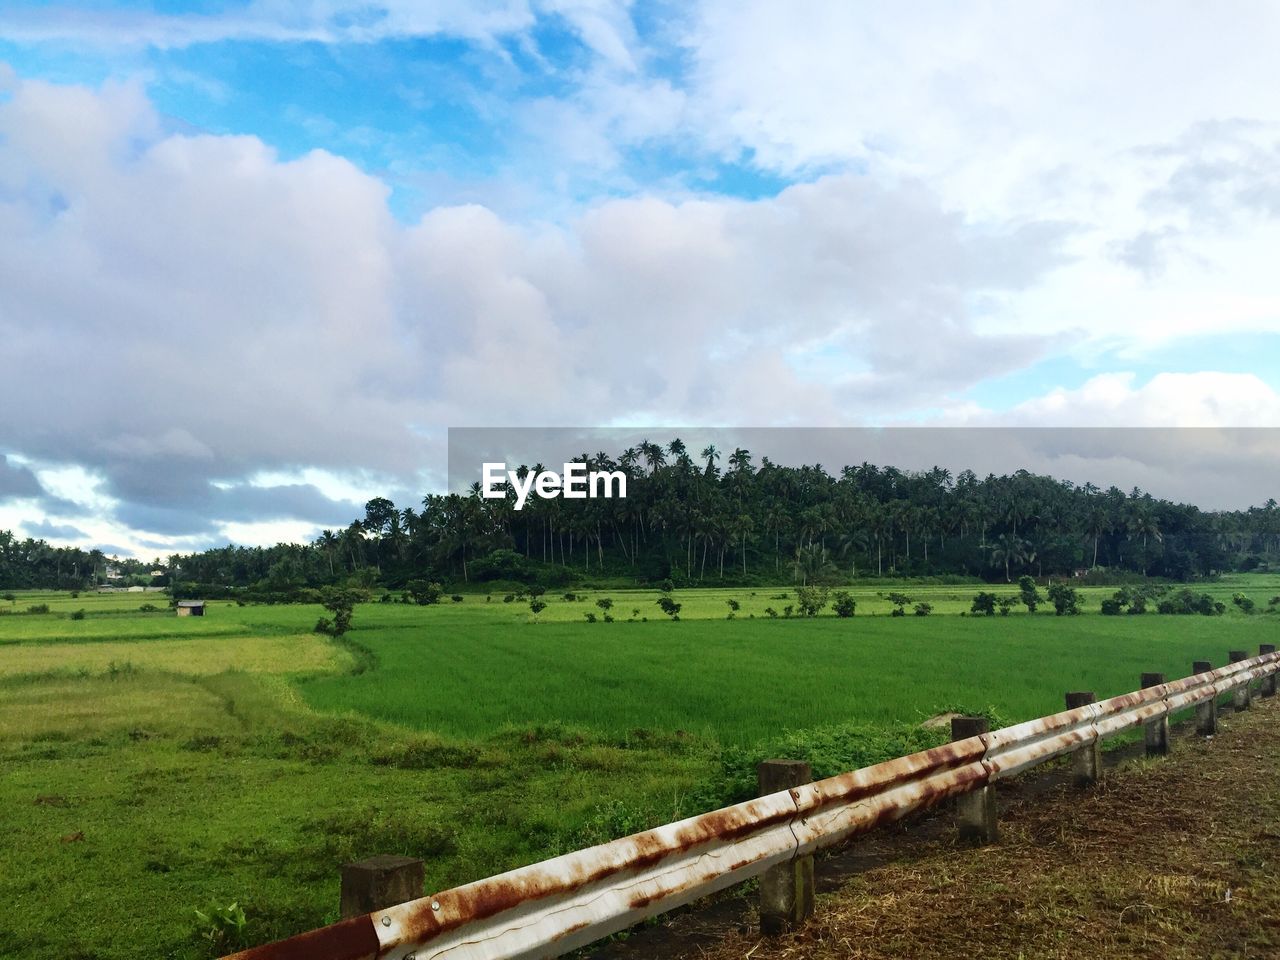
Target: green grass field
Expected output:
[154,764]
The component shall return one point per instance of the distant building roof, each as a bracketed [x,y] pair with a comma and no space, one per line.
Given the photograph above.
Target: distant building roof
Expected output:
[191,603]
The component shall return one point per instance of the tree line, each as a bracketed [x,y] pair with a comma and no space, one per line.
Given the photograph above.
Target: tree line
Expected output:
[720,518]
[716,519]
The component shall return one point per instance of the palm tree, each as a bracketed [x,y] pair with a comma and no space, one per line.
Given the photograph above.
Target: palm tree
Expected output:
[1010,550]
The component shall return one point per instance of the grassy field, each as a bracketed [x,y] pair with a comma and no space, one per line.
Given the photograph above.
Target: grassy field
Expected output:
[154,764]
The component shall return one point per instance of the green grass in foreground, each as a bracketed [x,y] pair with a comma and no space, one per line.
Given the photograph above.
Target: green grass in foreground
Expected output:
[139,783]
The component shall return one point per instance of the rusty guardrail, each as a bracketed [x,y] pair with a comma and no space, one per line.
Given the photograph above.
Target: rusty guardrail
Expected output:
[549,908]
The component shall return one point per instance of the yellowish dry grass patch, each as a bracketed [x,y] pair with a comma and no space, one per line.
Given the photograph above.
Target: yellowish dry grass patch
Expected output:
[296,654]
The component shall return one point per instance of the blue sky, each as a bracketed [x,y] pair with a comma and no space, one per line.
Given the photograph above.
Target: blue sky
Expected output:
[373,220]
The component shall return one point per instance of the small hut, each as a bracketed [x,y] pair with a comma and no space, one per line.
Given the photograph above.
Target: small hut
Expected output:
[191,608]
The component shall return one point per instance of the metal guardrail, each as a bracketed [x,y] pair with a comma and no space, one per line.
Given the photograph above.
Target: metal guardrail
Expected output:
[549,908]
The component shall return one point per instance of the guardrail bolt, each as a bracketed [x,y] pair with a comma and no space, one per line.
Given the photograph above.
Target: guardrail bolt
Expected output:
[1206,710]
[1241,696]
[1157,730]
[786,889]
[1086,764]
[379,882]
[1268,686]
[975,810]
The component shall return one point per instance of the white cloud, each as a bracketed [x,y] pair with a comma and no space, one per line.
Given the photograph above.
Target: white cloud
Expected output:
[1205,399]
[182,309]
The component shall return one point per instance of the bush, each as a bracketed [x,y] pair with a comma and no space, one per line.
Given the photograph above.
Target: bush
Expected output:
[1245,604]
[424,593]
[536,606]
[811,600]
[570,597]
[591,617]
[984,603]
[339,601]
[669,607]
[788,610]
[148,608]
[1065,600]
[1111,607]
[666,586]
[734,605]
[923,609]
[1186,602]
[1006,604]
[38,608]
[1028,593]
[771,612]
[78,615]
[842,603]
[605,604]
[537,590]
[899,600]
[510,597]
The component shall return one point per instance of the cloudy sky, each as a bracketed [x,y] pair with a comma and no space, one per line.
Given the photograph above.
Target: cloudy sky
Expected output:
[256,256]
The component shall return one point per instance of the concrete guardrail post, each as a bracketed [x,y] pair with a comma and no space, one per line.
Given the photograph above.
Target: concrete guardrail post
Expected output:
[1206,710]
[379,882]
[787,889]
[975,810]
[1268,684]
[1242,696]
[1157,730]
[1087,760]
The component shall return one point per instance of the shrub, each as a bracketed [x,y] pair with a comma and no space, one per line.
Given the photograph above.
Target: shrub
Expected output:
[669,607]
[75,594]
[666,586]
[591,617]
[734,605]
[38,608]
[537,590]
[1065,600]
[1028,593]
[811,600]
[1186,601]
[1245,604]
[424,593]
[923,609]
[11,598]
[899,600]
[570,597]
[984,603]
[509,598]
[605,604]
[787,610]
[1112,607]
[771,612]
[78,615]
[536,606]
[339,601]
[842,603]
[456,598]
[1006,604]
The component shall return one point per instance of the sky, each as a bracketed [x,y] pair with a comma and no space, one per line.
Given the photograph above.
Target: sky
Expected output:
[256,256]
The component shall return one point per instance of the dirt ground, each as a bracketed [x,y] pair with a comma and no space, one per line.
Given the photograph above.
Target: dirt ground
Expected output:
[1172,858]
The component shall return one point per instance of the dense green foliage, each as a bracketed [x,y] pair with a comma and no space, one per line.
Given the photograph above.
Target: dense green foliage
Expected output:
[689,521]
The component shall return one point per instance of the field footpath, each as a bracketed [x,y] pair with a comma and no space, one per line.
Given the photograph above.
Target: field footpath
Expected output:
[1172,858]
